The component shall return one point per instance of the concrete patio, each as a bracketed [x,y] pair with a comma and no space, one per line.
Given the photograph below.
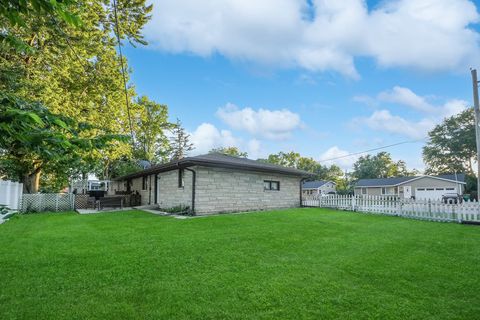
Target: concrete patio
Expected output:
[148,208]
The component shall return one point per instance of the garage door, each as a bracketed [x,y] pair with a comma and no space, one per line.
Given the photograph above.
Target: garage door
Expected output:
[433,193]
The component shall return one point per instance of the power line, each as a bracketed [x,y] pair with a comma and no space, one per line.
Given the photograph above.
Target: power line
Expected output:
[374,149]
[117,27]
[69,44]
[85,66]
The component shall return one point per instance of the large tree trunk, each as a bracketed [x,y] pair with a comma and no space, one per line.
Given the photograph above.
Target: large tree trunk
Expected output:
[31,181]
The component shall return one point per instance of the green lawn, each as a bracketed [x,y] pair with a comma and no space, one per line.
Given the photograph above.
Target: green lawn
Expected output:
[300,263]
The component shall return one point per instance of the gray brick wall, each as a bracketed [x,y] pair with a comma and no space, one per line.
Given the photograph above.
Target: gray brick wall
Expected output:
[170,195]
[147,195]
[224,190]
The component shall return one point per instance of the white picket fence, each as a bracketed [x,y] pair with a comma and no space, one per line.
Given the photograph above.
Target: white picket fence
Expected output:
[39,202]
[390,205]
[11,194]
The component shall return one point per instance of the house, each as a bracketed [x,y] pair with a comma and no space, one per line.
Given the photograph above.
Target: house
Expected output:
[215,183]
[84,186]
[418,187]
[319,187]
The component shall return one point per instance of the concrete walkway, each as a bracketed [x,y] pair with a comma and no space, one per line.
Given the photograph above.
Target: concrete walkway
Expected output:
[91,211]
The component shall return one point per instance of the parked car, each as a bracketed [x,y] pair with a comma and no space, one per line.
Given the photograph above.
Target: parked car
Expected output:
[452,198]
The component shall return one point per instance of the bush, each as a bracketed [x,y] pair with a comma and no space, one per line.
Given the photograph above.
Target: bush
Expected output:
[4,209]
[180,210]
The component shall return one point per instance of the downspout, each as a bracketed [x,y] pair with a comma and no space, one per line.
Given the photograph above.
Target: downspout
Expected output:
[149,189]
[194,182]
[301,191]
[155,187]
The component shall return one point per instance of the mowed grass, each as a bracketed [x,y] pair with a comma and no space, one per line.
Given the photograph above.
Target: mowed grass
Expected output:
[292,264]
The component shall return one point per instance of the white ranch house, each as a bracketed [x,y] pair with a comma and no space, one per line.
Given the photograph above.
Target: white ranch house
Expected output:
[418,187]
[215,183]
[319,187]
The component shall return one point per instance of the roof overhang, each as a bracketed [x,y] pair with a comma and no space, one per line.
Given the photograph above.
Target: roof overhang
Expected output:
[190,162]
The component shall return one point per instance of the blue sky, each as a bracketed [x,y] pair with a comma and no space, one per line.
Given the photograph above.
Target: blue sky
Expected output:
[321,78]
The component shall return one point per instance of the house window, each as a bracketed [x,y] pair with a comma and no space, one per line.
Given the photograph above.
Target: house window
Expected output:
[449,189]
[389,190]
[181,178]
[271,185]
[364,190]
[144,183]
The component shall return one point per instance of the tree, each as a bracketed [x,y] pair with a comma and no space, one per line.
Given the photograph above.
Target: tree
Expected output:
[380,165]
[14,13]
[33,139]
[73,68]
[231,151]
[151,122]
[295,160]
[180,142]
[289,159]
[451,147]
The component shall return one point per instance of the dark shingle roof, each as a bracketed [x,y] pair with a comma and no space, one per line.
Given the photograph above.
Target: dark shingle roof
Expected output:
[460,177]
[218,160]
[313,184]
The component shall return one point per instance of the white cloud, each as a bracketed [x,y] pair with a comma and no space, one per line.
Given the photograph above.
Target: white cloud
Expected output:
[270,124]
[207,137]
[452,107]
[407,97]
[254,148]
[384,120]
[345,162]
[432,35]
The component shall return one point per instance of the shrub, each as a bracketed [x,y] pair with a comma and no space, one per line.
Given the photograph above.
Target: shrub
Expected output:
[180,210]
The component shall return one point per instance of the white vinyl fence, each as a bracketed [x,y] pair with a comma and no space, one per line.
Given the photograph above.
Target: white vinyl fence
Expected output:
[390,205]
[11,194]
[39,202]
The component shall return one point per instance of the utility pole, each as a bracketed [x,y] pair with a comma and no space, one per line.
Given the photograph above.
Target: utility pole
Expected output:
[477,122]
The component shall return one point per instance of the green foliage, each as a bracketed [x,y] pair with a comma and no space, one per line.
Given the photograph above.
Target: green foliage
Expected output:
[4,209]
[471,185]
[117,168]
[18,13]
[230,151]
[33,139]
[295,160]
[380,165]
[69,64]
[179,210]
[451,147]
[150,125]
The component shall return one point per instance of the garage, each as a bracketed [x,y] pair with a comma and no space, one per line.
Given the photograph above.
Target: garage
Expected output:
[431,193]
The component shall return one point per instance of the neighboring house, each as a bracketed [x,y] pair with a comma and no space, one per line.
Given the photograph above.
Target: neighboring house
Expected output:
[419,187]
[83,186]
[214,183]
[319,187]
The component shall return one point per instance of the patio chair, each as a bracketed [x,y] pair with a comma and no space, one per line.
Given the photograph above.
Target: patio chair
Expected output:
[92,203]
